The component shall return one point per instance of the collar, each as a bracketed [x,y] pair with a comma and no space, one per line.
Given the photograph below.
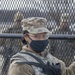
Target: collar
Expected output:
[25,48]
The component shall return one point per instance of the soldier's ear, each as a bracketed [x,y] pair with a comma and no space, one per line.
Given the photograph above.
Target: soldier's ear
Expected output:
[23,41]
[25,37]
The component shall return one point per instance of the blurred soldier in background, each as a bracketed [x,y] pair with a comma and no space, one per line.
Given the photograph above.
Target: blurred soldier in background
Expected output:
[63,28]
[63,49]
[11,45]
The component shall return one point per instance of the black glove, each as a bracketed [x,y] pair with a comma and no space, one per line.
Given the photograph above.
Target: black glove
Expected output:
[52,69]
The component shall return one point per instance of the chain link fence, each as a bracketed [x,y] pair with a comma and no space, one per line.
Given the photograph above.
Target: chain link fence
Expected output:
[50,9]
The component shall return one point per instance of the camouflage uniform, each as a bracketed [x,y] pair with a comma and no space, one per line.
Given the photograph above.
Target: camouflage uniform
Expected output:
[11,45]
[35,26]
[63,49]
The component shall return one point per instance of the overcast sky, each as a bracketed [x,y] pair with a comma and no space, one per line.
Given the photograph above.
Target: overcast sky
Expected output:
[17,4]
[24,4]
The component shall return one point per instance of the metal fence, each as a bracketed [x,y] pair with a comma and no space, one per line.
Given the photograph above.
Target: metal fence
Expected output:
[61,45]
[12,44]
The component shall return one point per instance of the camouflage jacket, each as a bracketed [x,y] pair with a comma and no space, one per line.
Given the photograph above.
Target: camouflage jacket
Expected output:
[25,69]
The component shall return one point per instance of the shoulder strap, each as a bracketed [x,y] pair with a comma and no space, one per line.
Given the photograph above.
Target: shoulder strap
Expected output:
[39,64]
[32,63]
[38,59]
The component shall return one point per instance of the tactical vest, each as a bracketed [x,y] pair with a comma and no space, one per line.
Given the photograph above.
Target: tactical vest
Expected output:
[39,64]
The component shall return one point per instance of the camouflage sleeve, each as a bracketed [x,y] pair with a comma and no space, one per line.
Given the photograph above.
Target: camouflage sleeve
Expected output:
[16,69]
[64,70]
[67,70]
[71,69]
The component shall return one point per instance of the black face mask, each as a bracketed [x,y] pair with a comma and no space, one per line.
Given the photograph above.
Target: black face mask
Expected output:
[38,45]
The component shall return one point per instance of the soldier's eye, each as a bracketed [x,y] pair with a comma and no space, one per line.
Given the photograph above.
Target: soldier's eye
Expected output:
[44,35]
[35,36]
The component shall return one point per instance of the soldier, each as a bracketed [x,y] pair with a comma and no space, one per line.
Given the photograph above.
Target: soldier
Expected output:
[11,45]
[29,60]
[63,49]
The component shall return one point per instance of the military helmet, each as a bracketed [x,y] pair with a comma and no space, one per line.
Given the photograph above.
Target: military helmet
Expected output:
[35,25]
[18,17]
[64,17]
